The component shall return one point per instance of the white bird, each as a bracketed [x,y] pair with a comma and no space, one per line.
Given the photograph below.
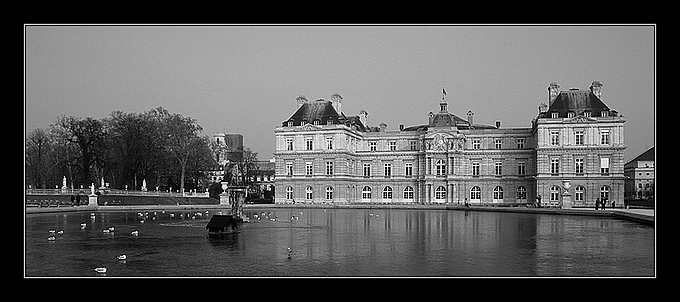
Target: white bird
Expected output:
[172,215]
[100,270]
[121,257]
[106,231]
[112,229]
[61,232]
[135,233]
[83,225]
[51,238]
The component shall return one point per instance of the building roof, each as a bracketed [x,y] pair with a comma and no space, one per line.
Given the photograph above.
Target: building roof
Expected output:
[645,156]
[577,101]
[322,111]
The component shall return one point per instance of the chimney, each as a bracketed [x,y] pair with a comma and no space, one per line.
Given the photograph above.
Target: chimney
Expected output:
[498,124]
[401,127]
[595,88]
[553,90]
[383,127]
[542,108]
[336,99]
[300,100]
[469,115]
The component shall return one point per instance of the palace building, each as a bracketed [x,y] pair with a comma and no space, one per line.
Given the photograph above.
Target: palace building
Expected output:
[572,151]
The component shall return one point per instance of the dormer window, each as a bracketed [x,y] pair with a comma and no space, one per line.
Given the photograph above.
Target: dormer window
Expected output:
[329,122]
[554,115]
[586,113]
[570,114]
[604,113]
[290,123]
[317,122]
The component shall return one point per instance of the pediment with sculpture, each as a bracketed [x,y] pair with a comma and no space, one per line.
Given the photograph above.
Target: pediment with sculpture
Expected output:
[444,141]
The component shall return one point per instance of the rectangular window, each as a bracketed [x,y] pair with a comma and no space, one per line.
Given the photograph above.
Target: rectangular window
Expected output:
[329,143]
[579,165]
[475,168]
[578,135]
[309,142]
[476,143]
[393,146]
[521,168]
[388,170]
[289,144]
[367,170]
[409,169]
[604,137]
[520,143]
[498,143]
[289,168]
[309,168]
[329,168]
[373,146]
[555,137]
[498,168]
[604,165]
[554,166]
[413,145]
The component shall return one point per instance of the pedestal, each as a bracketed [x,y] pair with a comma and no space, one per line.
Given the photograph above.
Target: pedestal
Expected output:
[566,201]
[92,200]
[224,199]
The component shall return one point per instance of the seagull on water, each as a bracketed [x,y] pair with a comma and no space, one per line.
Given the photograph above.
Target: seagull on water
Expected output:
[121,257]
[135,233]
[101,270]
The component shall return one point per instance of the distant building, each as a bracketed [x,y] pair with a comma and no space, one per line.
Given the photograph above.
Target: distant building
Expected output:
[639,174]
[325,156]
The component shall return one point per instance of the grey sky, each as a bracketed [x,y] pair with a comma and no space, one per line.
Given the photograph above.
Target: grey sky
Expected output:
[245,79]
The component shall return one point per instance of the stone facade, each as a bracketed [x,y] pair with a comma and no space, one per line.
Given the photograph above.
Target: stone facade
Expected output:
[324,156]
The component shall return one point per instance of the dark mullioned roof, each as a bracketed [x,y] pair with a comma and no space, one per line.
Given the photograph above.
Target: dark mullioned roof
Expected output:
[577,101]
[322,111]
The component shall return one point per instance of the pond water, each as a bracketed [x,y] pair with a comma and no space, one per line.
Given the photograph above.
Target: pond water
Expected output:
[338,242]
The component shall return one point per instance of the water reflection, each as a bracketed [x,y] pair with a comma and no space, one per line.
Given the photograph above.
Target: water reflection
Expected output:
[341,242]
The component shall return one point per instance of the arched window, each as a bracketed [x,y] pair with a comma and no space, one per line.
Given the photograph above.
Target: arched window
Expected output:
[521,194]
[440,193]
[579,192]
[440,167]
[554,193]
[329,192]
[289,192]
[475,194]
[387,192]
[366,193]
[408,192]
[498,194]
[308,192]
[604,193]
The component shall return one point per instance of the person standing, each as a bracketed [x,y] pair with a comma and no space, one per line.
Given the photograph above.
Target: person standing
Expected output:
[604,203]
[597,204]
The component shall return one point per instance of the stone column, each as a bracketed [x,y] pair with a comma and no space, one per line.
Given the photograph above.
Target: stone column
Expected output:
[566,195]
[92,198]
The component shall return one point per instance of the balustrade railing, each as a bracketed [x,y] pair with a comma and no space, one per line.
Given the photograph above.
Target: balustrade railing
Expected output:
[115,192]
